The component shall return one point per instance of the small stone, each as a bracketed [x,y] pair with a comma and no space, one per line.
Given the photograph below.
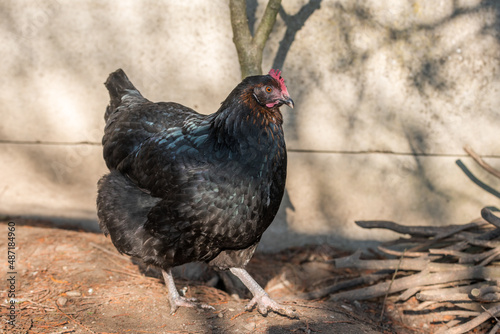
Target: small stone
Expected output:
[61,301]
[220,315]
[73,294]
[231,309]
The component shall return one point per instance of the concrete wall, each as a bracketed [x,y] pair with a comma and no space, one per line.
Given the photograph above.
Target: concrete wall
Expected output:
[386,96]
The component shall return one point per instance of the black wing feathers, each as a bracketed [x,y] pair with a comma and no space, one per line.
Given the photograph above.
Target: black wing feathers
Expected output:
[131,119]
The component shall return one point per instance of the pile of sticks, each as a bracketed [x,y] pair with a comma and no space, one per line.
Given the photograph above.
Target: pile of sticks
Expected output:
[455,268]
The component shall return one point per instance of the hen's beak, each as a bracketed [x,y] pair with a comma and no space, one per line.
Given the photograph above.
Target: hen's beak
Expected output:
[288,101]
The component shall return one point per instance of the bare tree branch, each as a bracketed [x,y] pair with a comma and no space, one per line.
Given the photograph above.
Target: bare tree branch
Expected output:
[267,23]
[250,48]
[242,37]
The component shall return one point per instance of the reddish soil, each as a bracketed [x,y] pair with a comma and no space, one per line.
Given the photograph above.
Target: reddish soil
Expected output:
[76,282]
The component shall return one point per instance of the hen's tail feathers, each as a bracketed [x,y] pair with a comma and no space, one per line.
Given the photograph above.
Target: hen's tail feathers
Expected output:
[118,85]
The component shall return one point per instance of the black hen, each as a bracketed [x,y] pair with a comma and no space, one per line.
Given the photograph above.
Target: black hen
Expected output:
[186,187]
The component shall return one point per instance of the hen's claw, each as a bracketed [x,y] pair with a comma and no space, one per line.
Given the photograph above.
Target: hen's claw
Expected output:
[179,301]
[261,299]
[265,304]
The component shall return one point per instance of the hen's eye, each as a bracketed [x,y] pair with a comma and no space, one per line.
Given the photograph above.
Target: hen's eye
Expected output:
[269,89]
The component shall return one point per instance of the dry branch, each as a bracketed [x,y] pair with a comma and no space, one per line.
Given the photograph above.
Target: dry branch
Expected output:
[453,229]
[390,285]
[466,257]
[422,278]
[400,253]
[419,264]
[492,312]
[448,325]
[492,257]
[487,294]
[449,267]
[440,296]
[425,231]
[490,235]
[490,217]
[408,293]
[481,162]
[473,306]
[414,290]
[365,279]
[472,240]
[495,329]
[460,293]
[422,231]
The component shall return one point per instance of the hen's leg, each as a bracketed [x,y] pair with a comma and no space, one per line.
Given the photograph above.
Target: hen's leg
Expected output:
[175,299]
[260,297]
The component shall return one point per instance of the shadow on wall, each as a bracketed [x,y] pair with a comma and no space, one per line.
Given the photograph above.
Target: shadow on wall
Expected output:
[293,24]
[411,78]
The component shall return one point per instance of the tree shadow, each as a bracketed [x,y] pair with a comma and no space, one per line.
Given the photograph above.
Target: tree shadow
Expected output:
[293,24]
[425,76]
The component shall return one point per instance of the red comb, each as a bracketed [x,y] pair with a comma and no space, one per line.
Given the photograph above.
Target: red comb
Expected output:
[276,74]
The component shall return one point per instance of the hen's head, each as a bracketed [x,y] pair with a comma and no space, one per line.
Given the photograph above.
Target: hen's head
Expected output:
[272,91]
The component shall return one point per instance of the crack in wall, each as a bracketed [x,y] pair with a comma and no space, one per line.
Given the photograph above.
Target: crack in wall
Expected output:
[388,152]
[41,142]
[290,150]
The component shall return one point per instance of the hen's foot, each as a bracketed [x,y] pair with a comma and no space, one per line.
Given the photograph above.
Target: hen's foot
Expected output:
[265,304]
[180,301]
[177,300]
[261,299]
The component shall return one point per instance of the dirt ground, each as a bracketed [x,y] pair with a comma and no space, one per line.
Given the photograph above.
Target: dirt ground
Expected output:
[76,282]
